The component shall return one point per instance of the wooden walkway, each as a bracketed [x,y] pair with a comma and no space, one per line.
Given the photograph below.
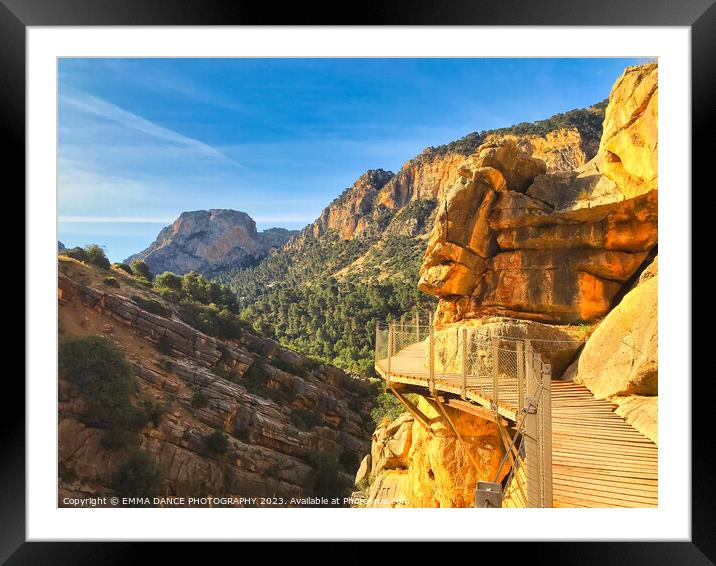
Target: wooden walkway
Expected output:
[598,460]
[408,367]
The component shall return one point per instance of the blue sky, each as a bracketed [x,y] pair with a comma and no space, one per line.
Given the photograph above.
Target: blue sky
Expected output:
[142,140]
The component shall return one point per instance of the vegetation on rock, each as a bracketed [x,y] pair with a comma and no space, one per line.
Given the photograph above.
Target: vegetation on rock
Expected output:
[98,372]
[139,476]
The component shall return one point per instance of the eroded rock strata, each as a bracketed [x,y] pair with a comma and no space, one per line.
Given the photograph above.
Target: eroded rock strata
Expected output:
[253,388]
[207,241]
[560,252]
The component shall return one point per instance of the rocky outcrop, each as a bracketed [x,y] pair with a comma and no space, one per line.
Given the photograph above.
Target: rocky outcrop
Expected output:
[564,149]
[512,239]
[619,362]
[621,356]
[629,143]
[253,389]
[350,212]
[210,240]
[414,466]
[366,208]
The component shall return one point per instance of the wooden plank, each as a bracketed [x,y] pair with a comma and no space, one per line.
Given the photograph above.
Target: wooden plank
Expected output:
[610,487]
[606,501]
[651,484]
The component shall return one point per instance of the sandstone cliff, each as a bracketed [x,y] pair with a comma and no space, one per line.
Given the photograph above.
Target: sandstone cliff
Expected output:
[275,407]
[412,465]
[513,239]
[555,246]
[563,142]
[207,241]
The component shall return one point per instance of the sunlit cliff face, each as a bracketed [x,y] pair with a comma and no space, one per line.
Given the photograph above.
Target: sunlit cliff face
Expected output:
[511,238]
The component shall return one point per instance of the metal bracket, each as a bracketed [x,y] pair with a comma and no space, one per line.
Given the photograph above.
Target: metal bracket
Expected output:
[488,494]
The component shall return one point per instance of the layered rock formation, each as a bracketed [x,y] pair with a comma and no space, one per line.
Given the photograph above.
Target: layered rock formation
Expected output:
[411,465]
[365,208]
[620,360]
[208,241]
[255,391]
[512,239]
[560,252]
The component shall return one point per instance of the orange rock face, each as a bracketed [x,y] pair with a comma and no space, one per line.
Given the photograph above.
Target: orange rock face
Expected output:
[564,149]
[512,239]
[415,467]
[629,140]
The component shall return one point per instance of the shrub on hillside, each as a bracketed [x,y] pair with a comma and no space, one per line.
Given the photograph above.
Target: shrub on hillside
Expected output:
[96,256]
[168,280]
[124,267]
[154,410]
[98,371]
[199,400]
[326,473]
[97,368]
[213,321]
[110,282]
[255,378]
[139,476]
[152,306]
[169,286]
[75,253]
[217,442]
[164,345]
[141,269]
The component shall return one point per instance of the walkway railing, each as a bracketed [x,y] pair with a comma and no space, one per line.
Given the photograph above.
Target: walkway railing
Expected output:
[502,374]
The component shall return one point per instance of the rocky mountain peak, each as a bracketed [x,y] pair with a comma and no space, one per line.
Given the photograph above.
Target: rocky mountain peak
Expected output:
[209,240]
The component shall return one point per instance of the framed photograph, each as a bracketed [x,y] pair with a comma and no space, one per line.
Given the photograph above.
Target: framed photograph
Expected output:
[395,279]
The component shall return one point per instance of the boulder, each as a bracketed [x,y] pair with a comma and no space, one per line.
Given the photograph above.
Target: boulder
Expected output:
[517,167]
[621,356]
[461,236]
[629,141]
[641,412]
[511,239]
[363,473]
[391,445]
[554,189]
[436,471]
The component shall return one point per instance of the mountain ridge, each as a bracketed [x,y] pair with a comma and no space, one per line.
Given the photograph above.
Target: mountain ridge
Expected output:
[207,241]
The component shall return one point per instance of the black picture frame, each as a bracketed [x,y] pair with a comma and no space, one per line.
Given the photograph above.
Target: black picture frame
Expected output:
[699,15]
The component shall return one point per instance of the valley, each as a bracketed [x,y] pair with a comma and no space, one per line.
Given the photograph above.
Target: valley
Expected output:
[226,362]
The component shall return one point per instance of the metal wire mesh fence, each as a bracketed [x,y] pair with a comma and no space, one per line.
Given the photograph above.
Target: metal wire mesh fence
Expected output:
[504,374]
[494,367]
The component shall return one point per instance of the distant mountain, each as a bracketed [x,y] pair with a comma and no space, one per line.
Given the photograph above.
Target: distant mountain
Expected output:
[60,246]
[208,241]
[358,262]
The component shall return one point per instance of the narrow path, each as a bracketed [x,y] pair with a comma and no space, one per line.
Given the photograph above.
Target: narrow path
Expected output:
[598,460]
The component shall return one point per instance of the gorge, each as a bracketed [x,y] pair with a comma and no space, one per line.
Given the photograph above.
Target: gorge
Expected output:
[254,362]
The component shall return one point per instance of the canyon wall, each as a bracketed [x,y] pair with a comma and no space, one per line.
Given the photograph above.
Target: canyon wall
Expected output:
[257,393]
[557,247]
[413,465]
[511,239]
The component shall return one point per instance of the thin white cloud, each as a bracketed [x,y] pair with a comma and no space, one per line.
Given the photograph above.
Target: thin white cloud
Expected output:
[98,107]
[116,219]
